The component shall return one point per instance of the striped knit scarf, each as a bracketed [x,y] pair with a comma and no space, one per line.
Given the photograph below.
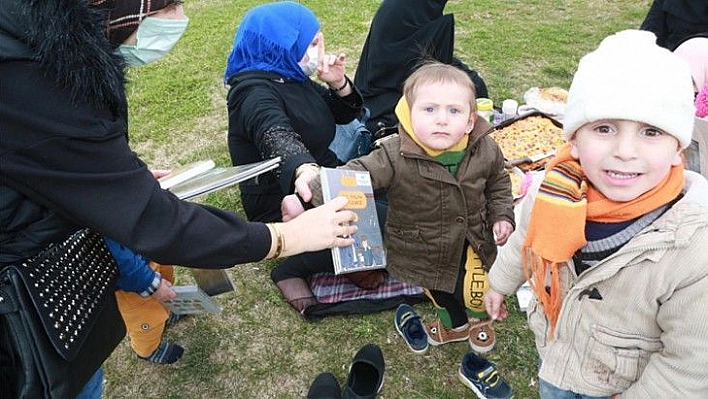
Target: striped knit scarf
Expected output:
[557,226]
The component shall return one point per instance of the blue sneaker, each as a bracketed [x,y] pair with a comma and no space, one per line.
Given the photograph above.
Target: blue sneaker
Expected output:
[481,376]
[411,329]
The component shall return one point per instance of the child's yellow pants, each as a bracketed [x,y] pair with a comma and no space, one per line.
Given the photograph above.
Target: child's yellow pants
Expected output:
[145,318]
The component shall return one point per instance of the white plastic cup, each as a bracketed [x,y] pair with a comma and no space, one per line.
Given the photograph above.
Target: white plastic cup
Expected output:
[509,108]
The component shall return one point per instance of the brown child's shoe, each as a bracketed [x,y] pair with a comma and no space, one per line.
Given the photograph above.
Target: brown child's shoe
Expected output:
[438,334]
[481,335]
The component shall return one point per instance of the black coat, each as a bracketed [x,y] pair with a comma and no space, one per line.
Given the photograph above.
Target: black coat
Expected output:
[675,21]
[64,156]
[402,34]
[269,117]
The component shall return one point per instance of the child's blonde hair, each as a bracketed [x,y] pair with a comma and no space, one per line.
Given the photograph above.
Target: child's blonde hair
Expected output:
[437,72]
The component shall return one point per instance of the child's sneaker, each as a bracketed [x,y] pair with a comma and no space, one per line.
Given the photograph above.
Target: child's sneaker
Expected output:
[482,336]
[166,353]
[481,376]
[408,325]
[173,318]
[438,334]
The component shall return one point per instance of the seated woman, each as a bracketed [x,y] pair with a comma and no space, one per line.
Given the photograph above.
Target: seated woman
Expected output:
[275,109]
[402,34]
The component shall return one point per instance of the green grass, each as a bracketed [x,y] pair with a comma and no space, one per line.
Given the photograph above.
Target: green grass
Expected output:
[258,347]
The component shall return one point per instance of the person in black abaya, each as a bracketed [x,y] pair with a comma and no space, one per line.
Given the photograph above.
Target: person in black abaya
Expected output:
[402,34]
[675,21]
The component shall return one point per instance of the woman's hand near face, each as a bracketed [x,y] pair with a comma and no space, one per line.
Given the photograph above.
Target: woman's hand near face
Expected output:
[331,68]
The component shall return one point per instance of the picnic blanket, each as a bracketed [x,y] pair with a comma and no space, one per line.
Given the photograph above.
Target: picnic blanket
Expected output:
[338,296]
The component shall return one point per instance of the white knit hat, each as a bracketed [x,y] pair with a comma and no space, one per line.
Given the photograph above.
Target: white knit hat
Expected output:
[630,77]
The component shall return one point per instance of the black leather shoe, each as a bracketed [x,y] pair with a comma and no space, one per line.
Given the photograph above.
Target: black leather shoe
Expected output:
[325,386]
[365,374]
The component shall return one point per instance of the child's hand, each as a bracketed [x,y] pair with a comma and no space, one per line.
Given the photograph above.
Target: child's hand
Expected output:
[165,292]
[494,304]
[502,230]
[291,207]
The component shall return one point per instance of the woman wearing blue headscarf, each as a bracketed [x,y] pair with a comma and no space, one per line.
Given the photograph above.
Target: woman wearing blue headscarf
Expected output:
[275,109]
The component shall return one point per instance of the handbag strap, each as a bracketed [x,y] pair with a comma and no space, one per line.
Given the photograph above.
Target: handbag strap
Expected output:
[68,284]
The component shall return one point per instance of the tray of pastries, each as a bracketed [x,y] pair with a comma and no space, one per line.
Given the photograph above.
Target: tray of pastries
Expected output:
[529,140]
[550,100]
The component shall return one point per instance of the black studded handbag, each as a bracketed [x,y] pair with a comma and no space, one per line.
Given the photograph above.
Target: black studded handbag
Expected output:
[58,318]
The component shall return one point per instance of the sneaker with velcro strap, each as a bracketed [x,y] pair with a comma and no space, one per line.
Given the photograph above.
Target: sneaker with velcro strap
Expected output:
[481,376]
[410,327]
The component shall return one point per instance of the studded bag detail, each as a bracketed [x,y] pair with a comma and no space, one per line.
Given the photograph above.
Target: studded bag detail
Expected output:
[58,317]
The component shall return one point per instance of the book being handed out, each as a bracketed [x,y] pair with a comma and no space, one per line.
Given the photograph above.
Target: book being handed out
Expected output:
[202,177]
[367,252]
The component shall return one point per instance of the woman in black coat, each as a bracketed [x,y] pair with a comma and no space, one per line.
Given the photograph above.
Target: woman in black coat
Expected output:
[402,34]
[65,162]
[275,109]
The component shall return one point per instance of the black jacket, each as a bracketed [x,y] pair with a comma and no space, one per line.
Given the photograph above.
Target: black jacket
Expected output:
[402,34]
[675,21]
[270,116]
[64,156]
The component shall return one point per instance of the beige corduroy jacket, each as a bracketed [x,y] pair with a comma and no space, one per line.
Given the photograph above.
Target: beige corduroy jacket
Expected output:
[648,335]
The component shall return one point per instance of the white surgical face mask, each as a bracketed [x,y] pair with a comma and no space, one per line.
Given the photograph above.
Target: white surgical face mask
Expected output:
[155,38]
[310,66]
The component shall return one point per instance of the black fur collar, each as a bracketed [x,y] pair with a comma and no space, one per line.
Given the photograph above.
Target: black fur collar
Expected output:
[67,37]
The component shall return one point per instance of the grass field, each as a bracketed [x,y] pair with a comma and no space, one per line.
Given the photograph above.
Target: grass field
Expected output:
[258,347]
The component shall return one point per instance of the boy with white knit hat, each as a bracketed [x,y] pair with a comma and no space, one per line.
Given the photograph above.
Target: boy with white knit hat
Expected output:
[612,236]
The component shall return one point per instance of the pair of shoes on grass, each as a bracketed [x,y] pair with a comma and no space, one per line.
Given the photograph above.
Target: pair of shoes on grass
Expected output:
[478,374]
[479,333]
[364,381]
[166,353]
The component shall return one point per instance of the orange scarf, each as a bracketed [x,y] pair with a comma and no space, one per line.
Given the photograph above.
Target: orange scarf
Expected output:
[556,229]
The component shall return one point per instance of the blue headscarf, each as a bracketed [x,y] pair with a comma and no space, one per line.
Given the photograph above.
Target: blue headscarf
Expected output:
[273,37]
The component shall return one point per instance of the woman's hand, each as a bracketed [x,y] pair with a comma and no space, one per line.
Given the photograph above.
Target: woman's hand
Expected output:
[326,226]
[158,173]
[304,174]
[331,69]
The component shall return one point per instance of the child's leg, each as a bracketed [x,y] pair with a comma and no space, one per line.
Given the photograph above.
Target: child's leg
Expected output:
[452,325]
[476,283]
[144,319]
[450,310]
